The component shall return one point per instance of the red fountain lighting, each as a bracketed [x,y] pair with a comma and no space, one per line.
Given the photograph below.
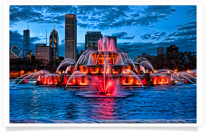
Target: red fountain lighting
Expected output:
[127,80]
[144,81]
[25,81]
[49,80]
[43,80]
[109,88]
[65,80]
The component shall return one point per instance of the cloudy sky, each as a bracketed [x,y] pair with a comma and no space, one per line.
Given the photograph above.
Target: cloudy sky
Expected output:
[139,29]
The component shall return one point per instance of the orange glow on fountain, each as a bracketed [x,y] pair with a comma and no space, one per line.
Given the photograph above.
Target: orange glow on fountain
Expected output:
[72,81]
[108,70]
[137,82]
[84,69]
[127,80]
[82,81]
[94,70]
[115,71]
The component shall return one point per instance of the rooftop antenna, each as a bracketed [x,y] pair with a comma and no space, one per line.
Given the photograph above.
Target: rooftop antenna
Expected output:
[71,12]
[54,26]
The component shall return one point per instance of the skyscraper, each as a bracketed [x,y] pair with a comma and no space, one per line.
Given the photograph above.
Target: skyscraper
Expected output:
[91,39]
[26,43]
[43,52]
[54,43]
[160,50]
[71,36]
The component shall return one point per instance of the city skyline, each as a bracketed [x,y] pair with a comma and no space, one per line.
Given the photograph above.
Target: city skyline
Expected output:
[138,28]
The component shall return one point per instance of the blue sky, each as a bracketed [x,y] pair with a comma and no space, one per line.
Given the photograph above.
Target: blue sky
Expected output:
[139,29]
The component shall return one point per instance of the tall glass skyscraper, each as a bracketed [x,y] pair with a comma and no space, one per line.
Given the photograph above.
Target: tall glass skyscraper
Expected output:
[71,36]
[26,43]
[54,43]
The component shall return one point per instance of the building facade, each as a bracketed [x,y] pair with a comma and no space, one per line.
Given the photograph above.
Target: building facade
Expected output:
[14,52]
[114,38]
[43,52]
[160,50]
[172,48]
[54,43]
[26,43]
[71,36]
[91,39]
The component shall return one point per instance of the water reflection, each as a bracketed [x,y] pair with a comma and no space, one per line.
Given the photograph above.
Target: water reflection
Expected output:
[41,103]
[103,109]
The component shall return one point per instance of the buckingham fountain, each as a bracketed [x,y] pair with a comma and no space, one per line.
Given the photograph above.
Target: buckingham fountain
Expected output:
[105,70]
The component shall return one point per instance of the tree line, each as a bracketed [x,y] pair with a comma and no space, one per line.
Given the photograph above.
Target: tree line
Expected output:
[180,61]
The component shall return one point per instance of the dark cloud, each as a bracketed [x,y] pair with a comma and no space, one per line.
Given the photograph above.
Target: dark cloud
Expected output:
[120,35]
[102,17]
[161,11]
[151,15]
[132,37]
[192,12]
[184,32]
[188,26]
[135,15]
[16,39]
[123,35]
[63,41]
[153,36]
[40,14]
[158,35]
[23,13]
[34,39]
[145,36]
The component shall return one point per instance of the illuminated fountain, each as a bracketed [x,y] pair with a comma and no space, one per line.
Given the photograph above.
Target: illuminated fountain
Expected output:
[105,70]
